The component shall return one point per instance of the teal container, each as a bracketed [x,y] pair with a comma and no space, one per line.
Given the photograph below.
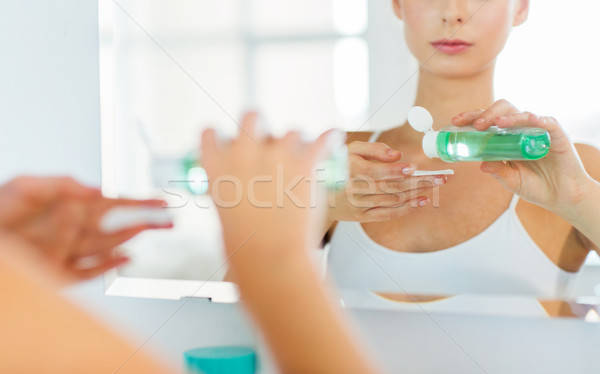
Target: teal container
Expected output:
[220,360]
[460,144]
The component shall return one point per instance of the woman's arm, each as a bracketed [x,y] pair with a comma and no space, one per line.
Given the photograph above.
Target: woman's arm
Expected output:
[267,238]
[559,182]
[587,216]
[305,330]
[44,333]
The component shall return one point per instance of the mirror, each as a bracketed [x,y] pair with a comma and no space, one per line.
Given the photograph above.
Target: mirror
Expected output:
[501,305]
[171,68]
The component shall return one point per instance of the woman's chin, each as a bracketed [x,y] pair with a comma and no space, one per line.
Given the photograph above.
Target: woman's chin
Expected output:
[455,70]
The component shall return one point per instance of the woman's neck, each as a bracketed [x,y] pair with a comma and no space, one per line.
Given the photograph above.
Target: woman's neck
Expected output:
[447,97]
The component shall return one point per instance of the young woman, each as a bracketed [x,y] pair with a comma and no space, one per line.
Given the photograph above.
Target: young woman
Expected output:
[507,234]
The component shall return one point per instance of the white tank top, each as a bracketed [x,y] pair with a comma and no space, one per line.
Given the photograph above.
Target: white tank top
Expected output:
[501,259]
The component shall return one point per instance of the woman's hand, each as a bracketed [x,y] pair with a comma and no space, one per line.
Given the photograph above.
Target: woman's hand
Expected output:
[61,218]
[261,187]
[555,182]
[380,187]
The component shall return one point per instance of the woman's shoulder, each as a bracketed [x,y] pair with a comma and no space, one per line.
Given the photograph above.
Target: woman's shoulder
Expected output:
[590,157]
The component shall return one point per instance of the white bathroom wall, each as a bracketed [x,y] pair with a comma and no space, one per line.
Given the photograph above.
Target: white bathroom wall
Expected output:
[49,117]
[549,66]
[393,70]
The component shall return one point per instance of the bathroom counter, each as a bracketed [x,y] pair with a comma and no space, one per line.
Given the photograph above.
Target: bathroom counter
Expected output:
[418,343]
[403,342]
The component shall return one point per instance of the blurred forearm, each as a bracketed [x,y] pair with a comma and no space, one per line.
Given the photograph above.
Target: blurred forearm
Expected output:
[60,337]
[304,328]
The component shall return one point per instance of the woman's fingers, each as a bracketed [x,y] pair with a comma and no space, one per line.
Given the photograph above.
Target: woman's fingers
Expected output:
[374,151]
[389,200]
[500,107]
[25,198]
[467,118]
[93,243]
[85,268]
[362,168]
[99,208]
[106,203]
[90,273]
[516,119]
[506,173]
[250,133]
[528,119]
[531,120]
[483,119]
[389,213]
[68,229]
[44,190]
[560,139]
[561,142]
[393,186]
[396,186]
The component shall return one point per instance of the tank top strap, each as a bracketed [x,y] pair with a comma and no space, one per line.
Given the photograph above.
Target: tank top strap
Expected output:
[375,136]
[513,202]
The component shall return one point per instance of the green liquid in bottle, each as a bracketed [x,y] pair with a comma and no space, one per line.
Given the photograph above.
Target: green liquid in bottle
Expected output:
[495,144]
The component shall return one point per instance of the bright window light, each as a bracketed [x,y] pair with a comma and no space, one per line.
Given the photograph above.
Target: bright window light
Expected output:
[350,16]
[351,77]
[550,65]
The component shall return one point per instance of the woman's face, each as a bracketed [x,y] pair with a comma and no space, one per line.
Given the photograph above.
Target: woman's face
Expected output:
[458,38]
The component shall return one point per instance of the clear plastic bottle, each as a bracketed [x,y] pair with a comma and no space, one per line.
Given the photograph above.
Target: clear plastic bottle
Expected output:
[460,144]
[454,144]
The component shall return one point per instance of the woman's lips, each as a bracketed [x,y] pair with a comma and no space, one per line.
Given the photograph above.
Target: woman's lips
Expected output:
[451,46]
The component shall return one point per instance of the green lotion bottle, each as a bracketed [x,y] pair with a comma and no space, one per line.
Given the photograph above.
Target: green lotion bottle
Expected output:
[460,144]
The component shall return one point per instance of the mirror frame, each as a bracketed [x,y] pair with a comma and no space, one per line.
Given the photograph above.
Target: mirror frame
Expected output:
[170,289]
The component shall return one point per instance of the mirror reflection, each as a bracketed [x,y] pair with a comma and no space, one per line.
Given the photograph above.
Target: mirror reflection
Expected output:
[582,308]
[178,67]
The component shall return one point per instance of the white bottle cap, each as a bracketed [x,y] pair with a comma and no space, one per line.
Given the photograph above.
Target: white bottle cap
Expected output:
[430,144]
[420,119]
